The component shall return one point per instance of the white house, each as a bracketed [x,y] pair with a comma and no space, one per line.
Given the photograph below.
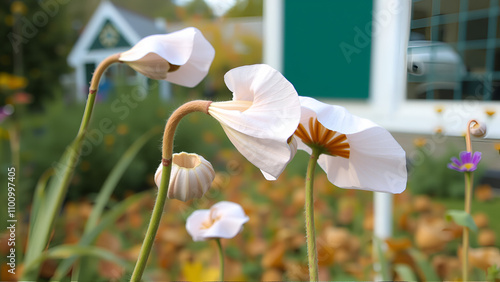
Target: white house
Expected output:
[111,30]
[357,54]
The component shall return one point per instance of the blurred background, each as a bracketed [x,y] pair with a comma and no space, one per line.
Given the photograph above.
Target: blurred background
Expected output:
[324,48]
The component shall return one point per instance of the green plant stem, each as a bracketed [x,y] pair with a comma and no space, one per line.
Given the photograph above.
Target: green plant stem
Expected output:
[221,258]
[312,253]
[465,237]
[154,223]
[60,182]
[167,151]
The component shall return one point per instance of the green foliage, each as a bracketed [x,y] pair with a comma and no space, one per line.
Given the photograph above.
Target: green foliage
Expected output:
[40,39]
[462,218]
[113,128]
[431,176]
[246,8]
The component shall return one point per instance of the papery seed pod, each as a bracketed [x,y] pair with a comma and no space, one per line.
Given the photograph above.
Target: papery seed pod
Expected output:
[191,176]
[478,130]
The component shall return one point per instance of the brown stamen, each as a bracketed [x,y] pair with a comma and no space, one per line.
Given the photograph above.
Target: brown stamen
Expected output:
[332,142]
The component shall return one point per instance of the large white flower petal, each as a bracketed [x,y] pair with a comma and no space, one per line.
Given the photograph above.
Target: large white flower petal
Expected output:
[333,117]
[275,109]
[269,155]
[376,162]
[186,48]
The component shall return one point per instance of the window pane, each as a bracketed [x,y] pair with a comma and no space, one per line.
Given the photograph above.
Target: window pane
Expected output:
[423,33]
[421,9]
[450,6]
[477,29]
[475,60]
[448,32]
[478,4]
[495,90]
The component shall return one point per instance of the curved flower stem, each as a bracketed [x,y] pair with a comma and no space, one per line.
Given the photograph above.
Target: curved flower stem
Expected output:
[221,258]
[45,222]
[465,238]
[312,253]
[467,136]
[467,208]
[167,149]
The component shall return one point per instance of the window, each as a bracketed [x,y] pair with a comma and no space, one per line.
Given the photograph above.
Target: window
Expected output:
[454,52]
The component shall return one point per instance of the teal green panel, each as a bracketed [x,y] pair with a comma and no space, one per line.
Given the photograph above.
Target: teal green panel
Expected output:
[109,37]
[89,71]
[327,45]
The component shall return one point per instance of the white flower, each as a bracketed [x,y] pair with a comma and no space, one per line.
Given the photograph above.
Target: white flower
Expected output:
[182,57]
[191,176]
[263,114]
[222,220]
[356,153]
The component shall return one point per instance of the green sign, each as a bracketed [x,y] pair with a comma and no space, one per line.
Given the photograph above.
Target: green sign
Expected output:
[109,37]
[327,47]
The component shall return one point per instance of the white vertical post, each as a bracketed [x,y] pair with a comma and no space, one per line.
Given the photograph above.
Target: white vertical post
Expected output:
[390,35]
[273,22]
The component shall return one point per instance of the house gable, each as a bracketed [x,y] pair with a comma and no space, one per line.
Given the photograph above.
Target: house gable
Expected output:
[109,37]
[106,18]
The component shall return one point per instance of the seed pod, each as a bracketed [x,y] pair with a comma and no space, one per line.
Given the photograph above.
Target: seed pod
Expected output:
[191,176]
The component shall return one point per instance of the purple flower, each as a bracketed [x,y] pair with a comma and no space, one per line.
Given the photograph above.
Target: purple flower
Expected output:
[467,161]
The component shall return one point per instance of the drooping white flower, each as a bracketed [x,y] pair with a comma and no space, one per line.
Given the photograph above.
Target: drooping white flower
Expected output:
[223,220]
[356,153]
[191,176]
[182,57]
[263,114]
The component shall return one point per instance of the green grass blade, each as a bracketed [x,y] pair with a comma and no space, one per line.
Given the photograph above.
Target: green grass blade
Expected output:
[51,205]
[114,177]
[405,272]
[382,260]
[39,196]
[66,251]
[424,265]
[107,220]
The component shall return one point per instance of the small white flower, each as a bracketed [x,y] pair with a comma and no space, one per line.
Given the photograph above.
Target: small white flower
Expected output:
[356,153]
[223,220]
[263,114]
[191,176]
[182,57]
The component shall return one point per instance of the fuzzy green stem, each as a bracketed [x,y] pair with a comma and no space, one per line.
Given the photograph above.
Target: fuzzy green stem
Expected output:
[465,237]
[221,258]
[167,150]
[55,196]
[154,223]
[312,253]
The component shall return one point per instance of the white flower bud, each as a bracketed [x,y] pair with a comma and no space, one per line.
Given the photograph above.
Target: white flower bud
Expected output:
[478,130]
[191,176]
[182,57]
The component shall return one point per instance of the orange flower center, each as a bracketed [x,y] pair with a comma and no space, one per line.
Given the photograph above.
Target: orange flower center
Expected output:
[211,220]
[332,142]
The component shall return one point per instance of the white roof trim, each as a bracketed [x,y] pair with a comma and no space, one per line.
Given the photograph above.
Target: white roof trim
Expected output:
[105,11]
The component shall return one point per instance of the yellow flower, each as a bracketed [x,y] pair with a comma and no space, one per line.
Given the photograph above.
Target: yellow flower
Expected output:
[490,112]
[122,129]
[439,109]
[194,271]
[419,142]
